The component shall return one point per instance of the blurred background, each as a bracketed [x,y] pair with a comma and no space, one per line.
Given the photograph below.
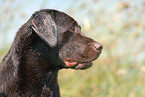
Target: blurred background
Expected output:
[118,24]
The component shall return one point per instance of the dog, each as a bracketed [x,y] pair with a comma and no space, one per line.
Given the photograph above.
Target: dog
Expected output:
[48,42]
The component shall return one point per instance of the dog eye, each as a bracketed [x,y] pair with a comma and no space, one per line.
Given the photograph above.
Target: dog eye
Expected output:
[72,29]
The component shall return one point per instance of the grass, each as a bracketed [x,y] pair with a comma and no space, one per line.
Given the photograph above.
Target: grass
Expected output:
[103,80]
[120,70]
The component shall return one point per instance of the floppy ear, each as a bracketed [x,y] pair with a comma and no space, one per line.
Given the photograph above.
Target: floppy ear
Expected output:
[45,27]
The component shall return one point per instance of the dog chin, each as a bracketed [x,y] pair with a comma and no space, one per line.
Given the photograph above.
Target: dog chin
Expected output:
[70,63]
[82,66]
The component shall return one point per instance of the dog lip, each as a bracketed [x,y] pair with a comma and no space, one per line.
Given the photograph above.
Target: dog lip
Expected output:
[70,63]
[83,65]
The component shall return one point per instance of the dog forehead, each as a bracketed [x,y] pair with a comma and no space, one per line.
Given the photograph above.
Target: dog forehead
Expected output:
[57,15]
[62,20]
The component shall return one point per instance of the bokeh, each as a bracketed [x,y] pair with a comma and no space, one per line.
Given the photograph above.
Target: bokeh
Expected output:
[118,24]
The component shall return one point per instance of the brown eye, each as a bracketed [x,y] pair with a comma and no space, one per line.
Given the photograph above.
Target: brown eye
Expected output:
[72,29]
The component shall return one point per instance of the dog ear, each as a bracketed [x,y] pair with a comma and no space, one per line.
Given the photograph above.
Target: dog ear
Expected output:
[45,27]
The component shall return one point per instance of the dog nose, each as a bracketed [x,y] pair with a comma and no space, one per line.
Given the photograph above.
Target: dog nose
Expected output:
[97,46]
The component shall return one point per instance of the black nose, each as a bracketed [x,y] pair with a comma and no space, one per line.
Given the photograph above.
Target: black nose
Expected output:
[97,46]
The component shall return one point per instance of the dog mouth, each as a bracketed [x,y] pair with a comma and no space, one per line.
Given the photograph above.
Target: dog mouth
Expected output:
[70,63]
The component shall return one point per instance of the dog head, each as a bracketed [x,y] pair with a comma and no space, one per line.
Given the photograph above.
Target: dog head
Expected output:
[59,30]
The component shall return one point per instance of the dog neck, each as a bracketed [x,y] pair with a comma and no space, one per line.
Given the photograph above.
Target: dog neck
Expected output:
[38,74]
[31,74]
[27,73]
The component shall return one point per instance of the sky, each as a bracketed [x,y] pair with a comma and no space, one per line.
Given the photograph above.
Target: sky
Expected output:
[19,11]
[26,8]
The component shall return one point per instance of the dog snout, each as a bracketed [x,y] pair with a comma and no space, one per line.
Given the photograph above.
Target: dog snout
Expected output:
[97,46]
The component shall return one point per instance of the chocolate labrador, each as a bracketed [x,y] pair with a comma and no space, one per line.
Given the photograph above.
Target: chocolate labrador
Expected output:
[49,41]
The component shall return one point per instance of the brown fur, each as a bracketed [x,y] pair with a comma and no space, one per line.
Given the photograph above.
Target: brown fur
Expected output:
[49,41]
